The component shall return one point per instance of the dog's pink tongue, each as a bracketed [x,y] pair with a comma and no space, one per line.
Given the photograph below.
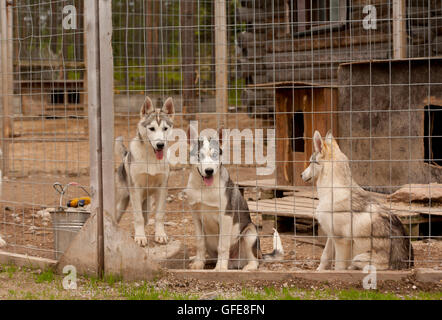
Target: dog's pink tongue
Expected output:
[208,180]
[159,154]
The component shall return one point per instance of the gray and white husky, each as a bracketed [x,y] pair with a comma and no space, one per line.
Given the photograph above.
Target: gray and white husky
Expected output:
[360,230]
[144,172]
[223,227]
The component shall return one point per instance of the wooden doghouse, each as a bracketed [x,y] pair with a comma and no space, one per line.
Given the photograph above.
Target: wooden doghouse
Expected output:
[301,108]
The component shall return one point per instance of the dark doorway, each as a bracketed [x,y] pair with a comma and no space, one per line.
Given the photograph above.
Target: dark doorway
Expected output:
[73,97]
[433,134]
[297,133]
[57,97]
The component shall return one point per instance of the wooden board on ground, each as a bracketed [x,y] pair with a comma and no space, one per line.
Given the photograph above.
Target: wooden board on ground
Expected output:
[270,185]
[303,202]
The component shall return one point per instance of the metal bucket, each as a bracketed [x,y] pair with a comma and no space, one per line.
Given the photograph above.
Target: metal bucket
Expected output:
[66,224]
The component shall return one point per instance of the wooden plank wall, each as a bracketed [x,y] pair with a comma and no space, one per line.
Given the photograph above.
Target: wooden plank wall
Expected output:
[318,106]
[314,56]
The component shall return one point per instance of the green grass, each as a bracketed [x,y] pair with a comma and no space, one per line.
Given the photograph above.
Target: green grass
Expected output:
[235,90]
[112,279]
[10,270]
[45,276]
[24,283]
[329,294]
[146,291]
[354,294]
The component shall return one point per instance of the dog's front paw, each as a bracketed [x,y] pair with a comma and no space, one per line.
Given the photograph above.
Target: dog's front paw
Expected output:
[161,238]
[196,265]
[251,266]
[141,240]
[221,267]
[322,266]
[2,243]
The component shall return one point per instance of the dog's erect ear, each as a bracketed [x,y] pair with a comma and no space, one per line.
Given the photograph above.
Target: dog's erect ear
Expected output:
[317,142]
[168,107]
[330,140]
[147,107]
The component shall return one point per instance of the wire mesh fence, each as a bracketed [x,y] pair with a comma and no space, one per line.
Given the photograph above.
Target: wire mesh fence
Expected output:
[268,75]
[45,133]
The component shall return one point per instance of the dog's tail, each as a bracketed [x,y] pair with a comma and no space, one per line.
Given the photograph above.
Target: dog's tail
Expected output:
[120,148]
[278,250]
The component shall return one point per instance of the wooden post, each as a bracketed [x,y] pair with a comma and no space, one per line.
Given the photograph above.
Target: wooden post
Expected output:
[187,23]
[399,30]
[152,45]
[98,18]
[221,60]
[302,15]
[7,81]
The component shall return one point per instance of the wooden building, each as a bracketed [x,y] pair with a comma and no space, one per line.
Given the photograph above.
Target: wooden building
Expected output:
[354,66]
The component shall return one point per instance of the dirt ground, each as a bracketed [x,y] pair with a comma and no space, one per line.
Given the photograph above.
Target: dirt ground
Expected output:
[27,233]
[37,164]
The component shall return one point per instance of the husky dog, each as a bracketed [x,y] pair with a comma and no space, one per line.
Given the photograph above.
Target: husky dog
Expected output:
[223,227]
[2,242]
[144,172]
[360,230]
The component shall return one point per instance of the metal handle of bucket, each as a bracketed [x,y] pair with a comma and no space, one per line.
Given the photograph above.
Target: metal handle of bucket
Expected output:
[63,189]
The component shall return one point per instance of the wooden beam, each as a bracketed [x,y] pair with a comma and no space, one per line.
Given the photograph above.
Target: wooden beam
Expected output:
[221,61]
[98,19]
[107,105]
[399,30]
[7,81]
[188,67]
[302,15]
[152,47]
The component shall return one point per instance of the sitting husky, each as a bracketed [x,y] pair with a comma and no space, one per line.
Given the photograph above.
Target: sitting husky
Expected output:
[223,227]
[360,230]
[144,173]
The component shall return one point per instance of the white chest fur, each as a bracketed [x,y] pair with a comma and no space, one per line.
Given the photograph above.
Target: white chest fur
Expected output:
[143,161]
[212,196]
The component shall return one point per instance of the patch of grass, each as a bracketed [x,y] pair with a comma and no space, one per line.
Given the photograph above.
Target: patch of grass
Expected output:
[143,292]
[354,294]
[46,276]
[235,89]
[10,270]
[12,293]
[111,279]
[148,292]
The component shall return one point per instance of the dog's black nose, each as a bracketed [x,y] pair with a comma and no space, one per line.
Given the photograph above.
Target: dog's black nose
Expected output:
[208,172]
[160,145]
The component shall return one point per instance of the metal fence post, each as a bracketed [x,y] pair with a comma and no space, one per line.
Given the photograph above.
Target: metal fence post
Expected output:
[98,28]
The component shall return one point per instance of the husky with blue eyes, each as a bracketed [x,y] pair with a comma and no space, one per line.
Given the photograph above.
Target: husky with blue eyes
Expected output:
[144,171]
[224,230]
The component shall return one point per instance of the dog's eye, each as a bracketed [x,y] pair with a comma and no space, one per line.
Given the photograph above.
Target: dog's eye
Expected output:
[152,129]
[165,128]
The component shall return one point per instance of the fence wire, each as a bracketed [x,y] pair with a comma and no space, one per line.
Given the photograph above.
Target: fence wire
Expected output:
[270,74]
